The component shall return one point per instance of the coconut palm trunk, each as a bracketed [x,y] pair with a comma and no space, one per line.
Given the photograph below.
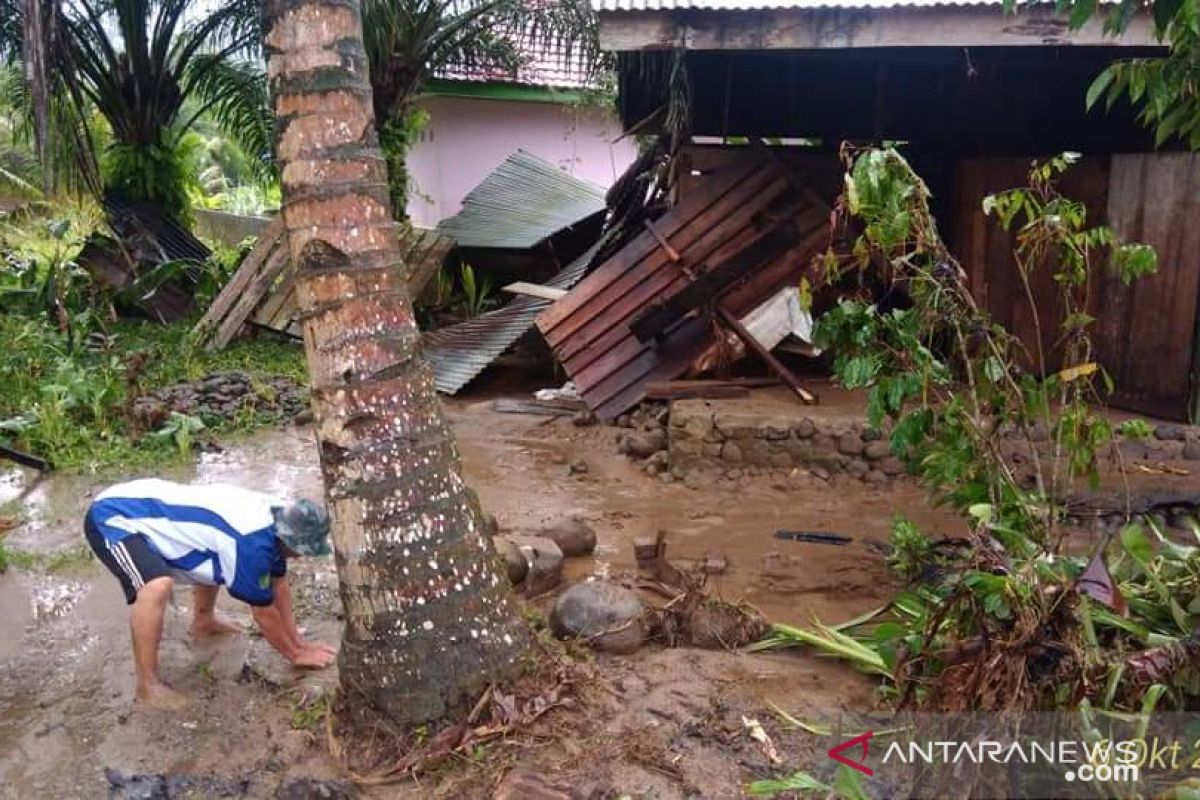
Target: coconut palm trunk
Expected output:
[429,618]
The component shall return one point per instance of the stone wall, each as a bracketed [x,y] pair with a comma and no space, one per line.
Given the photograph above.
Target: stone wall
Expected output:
[702,434]
[708,434]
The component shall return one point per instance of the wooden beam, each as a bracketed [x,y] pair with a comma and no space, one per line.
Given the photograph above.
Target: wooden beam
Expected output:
[829,28]
[242,279]
[774,363]
[535,290]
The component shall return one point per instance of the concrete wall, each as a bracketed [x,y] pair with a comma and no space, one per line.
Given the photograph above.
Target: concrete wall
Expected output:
[468,137]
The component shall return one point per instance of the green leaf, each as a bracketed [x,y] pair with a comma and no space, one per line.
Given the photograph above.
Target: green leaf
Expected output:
[848,784]
[1135,429]
[1137,543]
[1165,12]
[798,782]
[993,368]
[1081,13]
[1096,90]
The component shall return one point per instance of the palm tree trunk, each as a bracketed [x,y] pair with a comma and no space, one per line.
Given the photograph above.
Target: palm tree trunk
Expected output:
[430,619]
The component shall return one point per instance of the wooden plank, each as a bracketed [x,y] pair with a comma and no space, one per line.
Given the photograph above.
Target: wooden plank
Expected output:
[683,390]
[706,237]
[242,278]
[577,360]
[838,28]
[633,253]
[696,229]
[250,299]
[1155,199]
[535,290]
[617,363]
[653,321]
[616,393]
[279,307]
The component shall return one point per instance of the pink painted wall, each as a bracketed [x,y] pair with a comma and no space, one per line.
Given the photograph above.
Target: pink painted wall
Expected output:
[468,137]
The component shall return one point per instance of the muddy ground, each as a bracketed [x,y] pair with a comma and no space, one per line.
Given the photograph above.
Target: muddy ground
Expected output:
[658,724]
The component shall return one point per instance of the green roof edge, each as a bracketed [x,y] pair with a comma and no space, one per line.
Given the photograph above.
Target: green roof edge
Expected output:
[501,90]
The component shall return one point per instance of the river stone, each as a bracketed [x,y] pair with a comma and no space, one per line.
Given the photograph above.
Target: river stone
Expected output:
[857,467]
[805,429]
[731,452]
[515,564]
[610,617]
[850,445]
[645,444]
[1170,432]
[891,466]
[545,560]
[1191,450]
[877,450]
[572,535]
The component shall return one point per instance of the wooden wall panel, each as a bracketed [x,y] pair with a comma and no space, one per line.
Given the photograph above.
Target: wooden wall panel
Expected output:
[1147,332]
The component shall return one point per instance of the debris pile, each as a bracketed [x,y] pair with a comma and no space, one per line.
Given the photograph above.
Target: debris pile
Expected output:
[224,396]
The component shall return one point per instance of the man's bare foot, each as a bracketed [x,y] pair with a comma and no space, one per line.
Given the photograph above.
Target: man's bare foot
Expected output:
[210,627]
[161,697]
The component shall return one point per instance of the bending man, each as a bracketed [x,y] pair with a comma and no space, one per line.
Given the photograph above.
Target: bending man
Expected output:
[151,533]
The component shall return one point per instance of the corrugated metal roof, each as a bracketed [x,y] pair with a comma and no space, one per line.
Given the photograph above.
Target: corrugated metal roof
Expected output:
[522,202]
[460,352]
[769,5]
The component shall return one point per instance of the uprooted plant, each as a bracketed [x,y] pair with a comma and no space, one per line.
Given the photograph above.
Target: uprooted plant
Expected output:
[1013,616]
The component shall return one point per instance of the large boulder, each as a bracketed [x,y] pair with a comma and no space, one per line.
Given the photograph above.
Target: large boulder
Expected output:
[610,617]
[572,535]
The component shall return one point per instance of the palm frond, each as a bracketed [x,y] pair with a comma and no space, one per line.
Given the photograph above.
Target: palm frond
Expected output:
[235,95]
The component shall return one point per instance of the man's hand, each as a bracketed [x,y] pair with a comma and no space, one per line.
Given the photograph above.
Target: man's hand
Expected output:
[317,657]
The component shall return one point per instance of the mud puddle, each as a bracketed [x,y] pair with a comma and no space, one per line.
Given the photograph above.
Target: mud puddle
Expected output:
[66,672]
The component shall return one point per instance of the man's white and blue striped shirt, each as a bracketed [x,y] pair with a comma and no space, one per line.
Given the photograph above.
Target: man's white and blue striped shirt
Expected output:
[213,534]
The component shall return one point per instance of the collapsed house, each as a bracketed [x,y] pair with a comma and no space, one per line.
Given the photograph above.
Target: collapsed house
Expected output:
[529,227]
[972,93]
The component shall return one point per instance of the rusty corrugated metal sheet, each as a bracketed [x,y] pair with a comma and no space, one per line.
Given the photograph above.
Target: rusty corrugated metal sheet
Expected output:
[589,329]
[460,352]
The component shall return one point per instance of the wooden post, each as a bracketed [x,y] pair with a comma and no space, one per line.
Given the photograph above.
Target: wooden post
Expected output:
[766,355]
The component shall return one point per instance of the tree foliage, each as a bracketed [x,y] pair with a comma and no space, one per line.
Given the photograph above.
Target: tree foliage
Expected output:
[1166,90]
[1006,617]
[144,71]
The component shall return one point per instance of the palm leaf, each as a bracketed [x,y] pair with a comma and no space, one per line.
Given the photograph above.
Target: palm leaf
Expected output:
[236,96]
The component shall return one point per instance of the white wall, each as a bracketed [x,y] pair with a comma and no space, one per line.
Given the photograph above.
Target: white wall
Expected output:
[468,137]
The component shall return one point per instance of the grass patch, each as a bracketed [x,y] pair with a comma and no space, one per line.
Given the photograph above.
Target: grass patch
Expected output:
[66,397]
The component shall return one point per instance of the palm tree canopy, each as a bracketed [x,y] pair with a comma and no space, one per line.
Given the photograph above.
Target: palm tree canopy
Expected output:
[409,40]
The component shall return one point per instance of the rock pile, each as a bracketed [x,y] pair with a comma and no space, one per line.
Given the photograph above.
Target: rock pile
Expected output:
[646,440]
[533,560]
[222,397]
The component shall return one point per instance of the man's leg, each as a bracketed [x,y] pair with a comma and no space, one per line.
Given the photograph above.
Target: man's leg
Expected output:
[205,622]
[146,624]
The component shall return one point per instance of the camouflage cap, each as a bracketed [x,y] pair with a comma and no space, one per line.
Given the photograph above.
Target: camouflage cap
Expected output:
[303,527]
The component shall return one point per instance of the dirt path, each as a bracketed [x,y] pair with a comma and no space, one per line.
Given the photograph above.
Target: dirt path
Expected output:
[672,719]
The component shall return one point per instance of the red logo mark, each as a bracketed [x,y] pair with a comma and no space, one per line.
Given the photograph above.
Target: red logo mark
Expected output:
[836,753]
